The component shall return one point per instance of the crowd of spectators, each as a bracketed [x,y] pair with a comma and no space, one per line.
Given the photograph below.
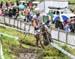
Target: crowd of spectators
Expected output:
[11,9]
[68,26]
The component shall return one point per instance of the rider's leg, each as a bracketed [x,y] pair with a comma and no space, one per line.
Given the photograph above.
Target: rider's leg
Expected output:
[50,37]
[41,43]
[37,39]
[49,34]
[45,39]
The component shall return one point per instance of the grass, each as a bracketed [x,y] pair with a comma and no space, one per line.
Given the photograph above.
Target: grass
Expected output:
[22,36]
[53,53]
[70,50]
[9,44]
[64,46]
[71,1]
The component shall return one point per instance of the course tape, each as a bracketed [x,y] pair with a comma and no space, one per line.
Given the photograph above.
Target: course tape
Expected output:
[9,36]
[63,51]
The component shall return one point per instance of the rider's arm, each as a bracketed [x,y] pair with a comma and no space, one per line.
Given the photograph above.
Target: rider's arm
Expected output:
[49,18]
[34,21]
[47,29]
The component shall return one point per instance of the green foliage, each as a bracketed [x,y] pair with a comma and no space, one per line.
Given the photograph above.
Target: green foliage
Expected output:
[51,52]
[71,1]
[8,0]
[9,43]
[70,50]
[22,36]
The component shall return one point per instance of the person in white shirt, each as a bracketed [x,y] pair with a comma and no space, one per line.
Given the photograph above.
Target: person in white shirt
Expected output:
[37,22]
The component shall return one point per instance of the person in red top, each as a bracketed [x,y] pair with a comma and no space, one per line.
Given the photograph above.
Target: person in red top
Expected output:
[9,3]
[30,5]
[28,16]
[2,12]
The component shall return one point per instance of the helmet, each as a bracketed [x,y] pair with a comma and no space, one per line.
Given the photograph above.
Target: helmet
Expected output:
[37,10]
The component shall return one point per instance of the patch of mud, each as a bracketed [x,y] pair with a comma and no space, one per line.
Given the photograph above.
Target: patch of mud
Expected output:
[24,53]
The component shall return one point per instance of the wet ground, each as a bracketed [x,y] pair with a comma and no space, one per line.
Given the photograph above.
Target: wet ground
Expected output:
[25,53]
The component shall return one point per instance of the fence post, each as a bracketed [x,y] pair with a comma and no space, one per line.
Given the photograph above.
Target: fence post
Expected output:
[17,23]
[24,27]
[66,37]
[14,23]
[9,21]
[29,28]
[58,34]
[20,25]
[4,19]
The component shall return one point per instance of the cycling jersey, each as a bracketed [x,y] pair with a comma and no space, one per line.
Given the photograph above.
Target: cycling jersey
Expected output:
[40,23]
[39,19]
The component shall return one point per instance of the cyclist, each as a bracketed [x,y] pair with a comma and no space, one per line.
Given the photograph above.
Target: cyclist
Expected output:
[37,22]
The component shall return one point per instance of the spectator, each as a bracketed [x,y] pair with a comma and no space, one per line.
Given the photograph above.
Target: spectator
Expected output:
[28,15]
[30,4]
[14,12]
[17,13]
[27,4]
[6,12]
[10,12]
[1,4]
[7,4]
[32,12]
[66,27]
[58,24]
[72,25]
[2,12]
[23,3]
[17,2]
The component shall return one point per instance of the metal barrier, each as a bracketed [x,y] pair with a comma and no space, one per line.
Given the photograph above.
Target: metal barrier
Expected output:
[58,35]
[63,36]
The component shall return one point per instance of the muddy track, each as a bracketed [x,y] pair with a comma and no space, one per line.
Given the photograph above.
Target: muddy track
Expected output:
[24,53]
[28,43]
